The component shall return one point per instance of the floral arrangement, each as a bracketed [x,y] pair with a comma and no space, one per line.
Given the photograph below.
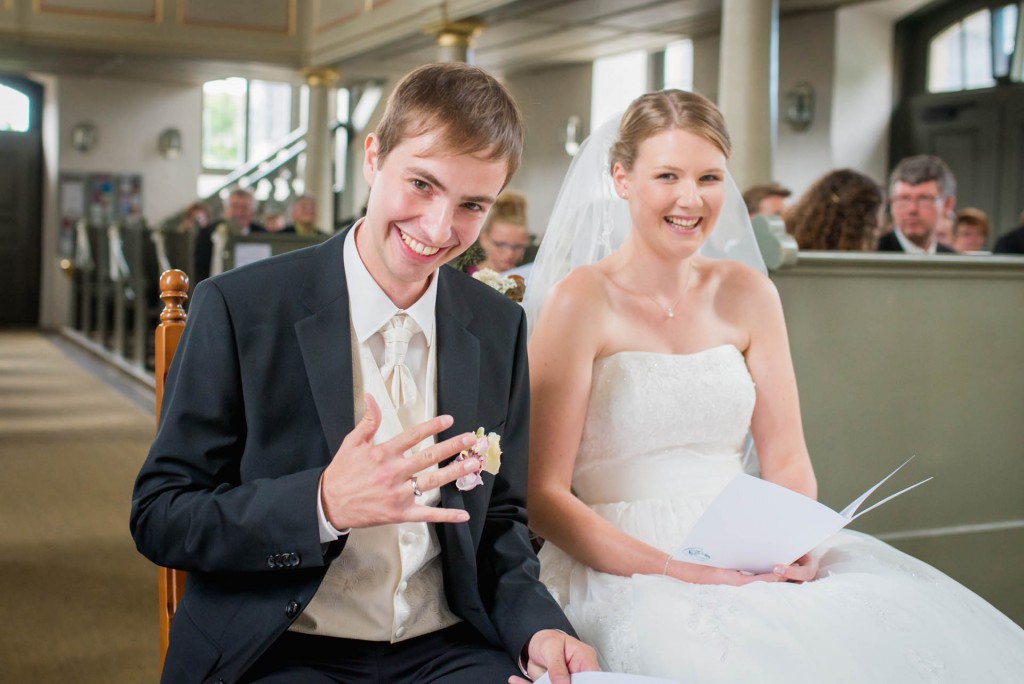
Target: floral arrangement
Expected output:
[487,451]
[512,287]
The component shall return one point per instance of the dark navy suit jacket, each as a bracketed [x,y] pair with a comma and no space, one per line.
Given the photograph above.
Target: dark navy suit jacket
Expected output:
[890,243]
[258,399]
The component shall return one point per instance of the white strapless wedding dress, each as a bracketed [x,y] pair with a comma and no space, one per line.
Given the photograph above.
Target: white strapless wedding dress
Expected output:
[662,437]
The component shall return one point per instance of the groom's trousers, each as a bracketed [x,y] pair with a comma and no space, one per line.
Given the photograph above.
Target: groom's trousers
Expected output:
[455,655]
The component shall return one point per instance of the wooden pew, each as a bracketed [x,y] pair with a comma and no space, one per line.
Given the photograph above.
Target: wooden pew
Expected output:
[173,292]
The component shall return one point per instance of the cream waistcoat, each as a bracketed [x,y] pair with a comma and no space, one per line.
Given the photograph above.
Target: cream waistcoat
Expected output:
[386,585]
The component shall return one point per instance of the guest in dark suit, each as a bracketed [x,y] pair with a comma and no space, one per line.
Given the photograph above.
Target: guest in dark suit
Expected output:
[1012,242]
[316,551]
[238,220]
[922,190]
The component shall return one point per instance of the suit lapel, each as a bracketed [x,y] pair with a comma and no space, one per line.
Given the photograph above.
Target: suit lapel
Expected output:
[458,359]
[326,341]
[458,382]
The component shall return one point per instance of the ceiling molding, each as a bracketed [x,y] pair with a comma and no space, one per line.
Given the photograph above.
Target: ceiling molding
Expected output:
[289,28]
[156,15]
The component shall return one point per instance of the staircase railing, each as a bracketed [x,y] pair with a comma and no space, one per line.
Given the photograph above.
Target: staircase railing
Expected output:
[271,178]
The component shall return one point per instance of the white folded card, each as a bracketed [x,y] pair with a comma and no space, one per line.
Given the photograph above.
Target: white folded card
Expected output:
[608,678]
[754,525]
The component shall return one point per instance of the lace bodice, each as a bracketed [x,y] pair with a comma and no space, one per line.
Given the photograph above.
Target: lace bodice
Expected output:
[658,421]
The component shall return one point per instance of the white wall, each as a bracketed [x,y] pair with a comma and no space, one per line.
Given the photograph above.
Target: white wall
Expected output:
[806,55]
[55,291]
[863,83]
[129,116]
[548,98]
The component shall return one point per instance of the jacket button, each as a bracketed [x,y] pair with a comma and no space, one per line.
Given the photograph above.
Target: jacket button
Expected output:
[270,562]
[294,560]
[293,609]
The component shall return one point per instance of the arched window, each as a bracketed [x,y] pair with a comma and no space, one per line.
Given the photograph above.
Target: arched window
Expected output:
[14,110]
[974,51]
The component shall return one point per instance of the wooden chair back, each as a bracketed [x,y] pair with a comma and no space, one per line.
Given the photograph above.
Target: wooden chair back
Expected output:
[173,292]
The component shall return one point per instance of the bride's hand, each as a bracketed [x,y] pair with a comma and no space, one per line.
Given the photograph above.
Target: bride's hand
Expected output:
[705,574]
[804,569]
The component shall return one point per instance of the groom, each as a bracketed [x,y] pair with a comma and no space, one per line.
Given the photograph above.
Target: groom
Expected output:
[325,550]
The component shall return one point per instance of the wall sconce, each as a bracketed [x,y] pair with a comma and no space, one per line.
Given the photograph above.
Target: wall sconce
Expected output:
[169,143]
[84,137]
[572,134]
[799,107]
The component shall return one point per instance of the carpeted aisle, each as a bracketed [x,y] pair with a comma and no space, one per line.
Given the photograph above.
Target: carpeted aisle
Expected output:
[77,602]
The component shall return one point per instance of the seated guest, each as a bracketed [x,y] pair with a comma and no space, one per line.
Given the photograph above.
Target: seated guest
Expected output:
[274,222]
[1012,242]
[768,199]
[238,220]
[196,216]
[922,190]
[970,233]
[504,236]
[840,211]
[303,216]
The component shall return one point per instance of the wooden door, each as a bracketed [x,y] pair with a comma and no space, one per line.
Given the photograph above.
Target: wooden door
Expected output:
[21,155]
[964,130]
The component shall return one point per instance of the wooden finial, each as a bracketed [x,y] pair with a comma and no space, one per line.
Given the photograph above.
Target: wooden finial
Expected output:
[173,292]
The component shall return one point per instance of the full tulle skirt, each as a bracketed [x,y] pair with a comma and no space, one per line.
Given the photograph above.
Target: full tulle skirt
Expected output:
[650,467]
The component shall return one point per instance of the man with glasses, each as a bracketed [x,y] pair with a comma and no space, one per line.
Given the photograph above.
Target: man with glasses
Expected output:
[505,236]
[922,190]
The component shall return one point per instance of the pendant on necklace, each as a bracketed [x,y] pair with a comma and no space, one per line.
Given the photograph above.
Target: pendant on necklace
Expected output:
[671,313]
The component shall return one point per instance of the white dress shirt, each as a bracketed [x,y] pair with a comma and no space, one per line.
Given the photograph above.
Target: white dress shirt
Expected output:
[387,583]
[910,248]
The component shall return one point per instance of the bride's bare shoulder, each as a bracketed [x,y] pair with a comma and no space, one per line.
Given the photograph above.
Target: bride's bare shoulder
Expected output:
[742,294]
[585,287]
[734,279]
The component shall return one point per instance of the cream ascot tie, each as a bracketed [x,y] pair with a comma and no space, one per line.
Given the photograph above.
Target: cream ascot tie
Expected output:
[398,378]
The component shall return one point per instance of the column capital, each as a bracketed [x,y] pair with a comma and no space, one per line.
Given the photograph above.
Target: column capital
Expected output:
[321,76]
[459,34]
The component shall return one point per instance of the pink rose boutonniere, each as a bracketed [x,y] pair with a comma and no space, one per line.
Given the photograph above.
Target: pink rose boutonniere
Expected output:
[487,451]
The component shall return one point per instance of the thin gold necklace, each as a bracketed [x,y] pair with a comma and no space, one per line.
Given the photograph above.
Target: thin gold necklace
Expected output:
[670,310]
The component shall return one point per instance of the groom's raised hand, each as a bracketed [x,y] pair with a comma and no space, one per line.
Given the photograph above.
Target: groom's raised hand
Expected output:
[367,485]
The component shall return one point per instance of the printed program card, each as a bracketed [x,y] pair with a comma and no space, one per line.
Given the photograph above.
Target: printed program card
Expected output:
[608,678]
[754,525]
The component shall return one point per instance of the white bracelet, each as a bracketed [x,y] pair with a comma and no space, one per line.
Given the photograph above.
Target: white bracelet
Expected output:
[664,571]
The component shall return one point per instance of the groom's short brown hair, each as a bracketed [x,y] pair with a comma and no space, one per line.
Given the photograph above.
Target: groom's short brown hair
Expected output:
[468,107]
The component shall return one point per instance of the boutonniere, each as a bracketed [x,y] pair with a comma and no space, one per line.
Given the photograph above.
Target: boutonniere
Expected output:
[487,451]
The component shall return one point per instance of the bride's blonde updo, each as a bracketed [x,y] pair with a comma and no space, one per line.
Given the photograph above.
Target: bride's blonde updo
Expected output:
[662,111]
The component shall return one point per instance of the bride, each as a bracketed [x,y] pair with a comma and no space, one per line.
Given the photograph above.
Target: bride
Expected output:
[650,359]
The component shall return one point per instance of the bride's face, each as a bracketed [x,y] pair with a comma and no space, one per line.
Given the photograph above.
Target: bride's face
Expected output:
[675,190]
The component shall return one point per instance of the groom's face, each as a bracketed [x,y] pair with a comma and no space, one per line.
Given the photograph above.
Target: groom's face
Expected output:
[426,207]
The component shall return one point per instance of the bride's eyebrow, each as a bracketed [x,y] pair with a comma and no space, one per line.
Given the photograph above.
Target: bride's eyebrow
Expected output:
[676,169]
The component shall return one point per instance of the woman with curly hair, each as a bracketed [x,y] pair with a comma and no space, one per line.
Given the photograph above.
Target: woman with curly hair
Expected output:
[840,211]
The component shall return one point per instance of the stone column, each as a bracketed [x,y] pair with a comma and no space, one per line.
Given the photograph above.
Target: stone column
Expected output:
[455,39]
[748,85]
[319,168]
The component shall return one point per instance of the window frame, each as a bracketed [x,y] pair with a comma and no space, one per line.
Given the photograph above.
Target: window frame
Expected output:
[951,20]
[296,97]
